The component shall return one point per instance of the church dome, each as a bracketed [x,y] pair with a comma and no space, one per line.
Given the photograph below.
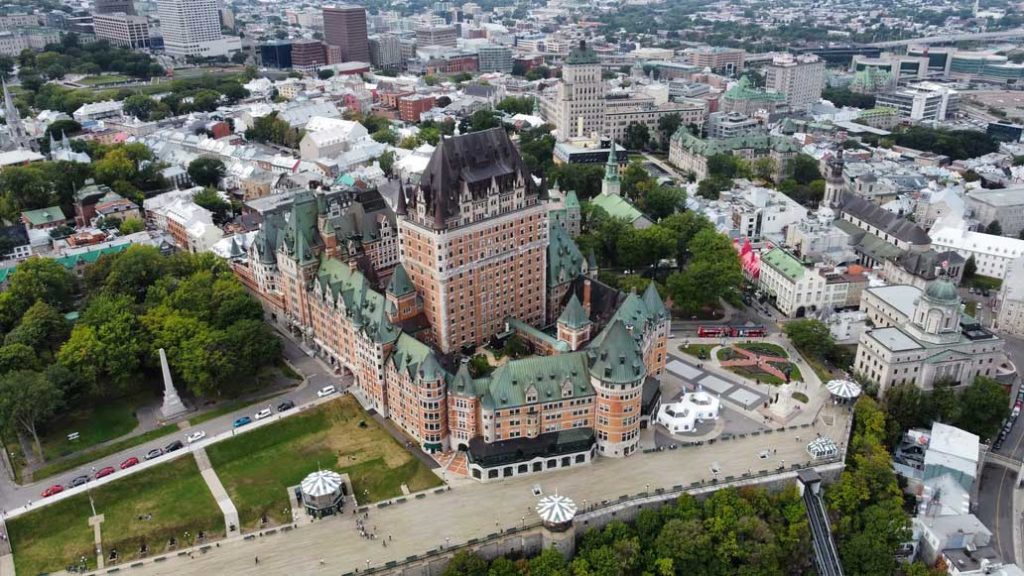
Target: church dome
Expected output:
[942,289]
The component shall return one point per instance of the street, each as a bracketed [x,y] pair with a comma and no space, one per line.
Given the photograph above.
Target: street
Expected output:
[14,496]
[995,508]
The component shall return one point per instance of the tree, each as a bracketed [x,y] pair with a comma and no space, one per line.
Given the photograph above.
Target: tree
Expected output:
[994,228]
[713,272]
[667,126]
[465,563]
[17,356]
[970,268]
[764,168]
[324,73]
[206,171]
[23,188]
[210,199]
[130,226]
[134,271]
[482,120]
[140,106]
[804,169]
[6,66]
[387,163]
[686,225]
[516,105]
[637,136]
[663,201]
[61,128]
[810,337]
[982,408]
[585,179]
[41,328]
[713,186]
[636,181]
[27,399]
[35,279]
[727,166]
[385,136]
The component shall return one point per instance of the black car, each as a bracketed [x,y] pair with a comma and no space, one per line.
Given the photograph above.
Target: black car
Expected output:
[79,480]
[286,405]
[176,445]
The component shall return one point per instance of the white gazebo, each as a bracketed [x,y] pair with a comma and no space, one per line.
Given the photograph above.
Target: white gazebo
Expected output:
[322,493]
[843,389]
[692,409]
[556,511]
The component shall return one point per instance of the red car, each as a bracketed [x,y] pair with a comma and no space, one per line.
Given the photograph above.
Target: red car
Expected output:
[129,462]
[55,489]
[105,472]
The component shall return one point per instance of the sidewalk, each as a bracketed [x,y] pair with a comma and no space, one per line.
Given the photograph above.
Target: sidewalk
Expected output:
[227,507]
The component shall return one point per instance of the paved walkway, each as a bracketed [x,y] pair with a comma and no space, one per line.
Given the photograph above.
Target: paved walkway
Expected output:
[227,507]
[472,510]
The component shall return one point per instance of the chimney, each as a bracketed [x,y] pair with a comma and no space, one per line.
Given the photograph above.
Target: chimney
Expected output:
[586,295]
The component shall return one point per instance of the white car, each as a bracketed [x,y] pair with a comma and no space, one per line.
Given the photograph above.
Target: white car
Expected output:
[326,391]
[262,414]
[195,436]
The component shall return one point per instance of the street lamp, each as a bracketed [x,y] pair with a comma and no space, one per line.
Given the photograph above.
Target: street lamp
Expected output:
[647,489]
[524,522]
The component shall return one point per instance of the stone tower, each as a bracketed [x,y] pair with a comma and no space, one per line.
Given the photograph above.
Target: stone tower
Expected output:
[834,183]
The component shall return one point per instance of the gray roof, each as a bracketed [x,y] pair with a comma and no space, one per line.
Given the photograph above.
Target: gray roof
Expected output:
[888,222]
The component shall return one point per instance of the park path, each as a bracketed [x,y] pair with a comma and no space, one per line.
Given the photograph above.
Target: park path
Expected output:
[227,507]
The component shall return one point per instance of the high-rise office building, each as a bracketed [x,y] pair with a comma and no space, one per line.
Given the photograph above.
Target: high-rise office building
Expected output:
[579,105]
[308,55]
[800,78]
[386,51]
[114,6]
[192,28]
[345,27]
[474,238]
[123,30]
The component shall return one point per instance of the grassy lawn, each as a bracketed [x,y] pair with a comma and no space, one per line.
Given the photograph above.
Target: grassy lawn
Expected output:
[105,79]
[753,373]
[765,348]
[106,450]
[695,350]
[978,281]
[257,467]
[94,425]
[174,494]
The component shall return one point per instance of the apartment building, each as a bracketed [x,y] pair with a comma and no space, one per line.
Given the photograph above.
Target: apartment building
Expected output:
[122,29]
[801,78]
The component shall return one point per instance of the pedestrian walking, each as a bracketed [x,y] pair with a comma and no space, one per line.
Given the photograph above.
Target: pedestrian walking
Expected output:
[390,538]
[257,560]
[322,562]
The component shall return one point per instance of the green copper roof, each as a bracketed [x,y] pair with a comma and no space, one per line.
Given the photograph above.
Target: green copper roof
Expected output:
[617,207]
[617,359]
[565,261]
[413,358]
[744,91]
[364,305]
[400,284]
[611,167]
[571,200]
[43,216]
[547,378]
[655,305]
[785,263]
[463,384]
[943,290]
[574,316]
[536,334]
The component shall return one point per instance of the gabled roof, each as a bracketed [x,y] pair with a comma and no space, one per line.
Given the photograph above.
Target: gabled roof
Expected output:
[400,284]
[888,222]
[549,377]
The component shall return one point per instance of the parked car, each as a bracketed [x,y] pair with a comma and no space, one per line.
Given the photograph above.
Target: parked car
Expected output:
[242,421]
[129,462]
[104,472]
[266,412]
[79,480]
[154,453]
[195,436]
[55,489]
[176,445]
[326,391]
[286,405]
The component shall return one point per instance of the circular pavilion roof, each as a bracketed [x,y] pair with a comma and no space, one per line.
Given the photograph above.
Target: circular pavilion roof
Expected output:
[321,483]
[843,388]
[556,509]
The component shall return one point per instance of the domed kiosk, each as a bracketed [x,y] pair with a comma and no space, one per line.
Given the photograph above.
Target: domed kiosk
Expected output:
[323,493]
[557,513]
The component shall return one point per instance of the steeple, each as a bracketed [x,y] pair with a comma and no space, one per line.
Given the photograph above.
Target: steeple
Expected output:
[611,185]
[19,138]
[834,183]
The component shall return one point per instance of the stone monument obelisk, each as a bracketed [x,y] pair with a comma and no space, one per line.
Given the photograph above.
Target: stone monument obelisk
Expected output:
[172,403]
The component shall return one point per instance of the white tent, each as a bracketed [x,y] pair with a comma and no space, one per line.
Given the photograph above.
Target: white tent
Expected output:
[555,509]
[844,389]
